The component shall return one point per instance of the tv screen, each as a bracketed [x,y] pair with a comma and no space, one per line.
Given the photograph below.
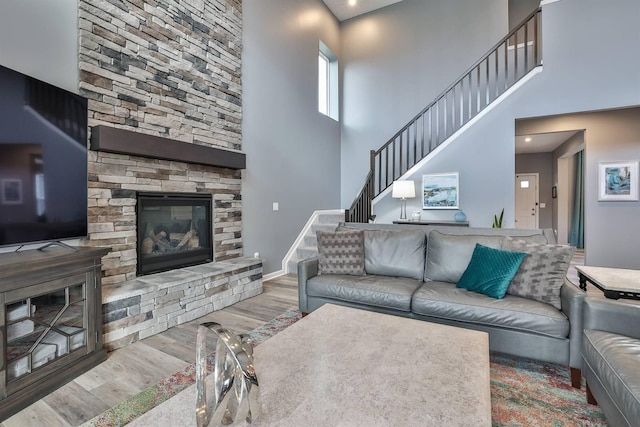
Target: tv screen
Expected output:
[43,161]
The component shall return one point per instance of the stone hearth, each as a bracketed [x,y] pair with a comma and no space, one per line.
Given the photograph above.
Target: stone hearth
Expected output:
[148,305]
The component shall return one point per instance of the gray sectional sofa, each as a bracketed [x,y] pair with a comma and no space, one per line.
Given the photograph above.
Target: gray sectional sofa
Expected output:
[611,358]
[412,271]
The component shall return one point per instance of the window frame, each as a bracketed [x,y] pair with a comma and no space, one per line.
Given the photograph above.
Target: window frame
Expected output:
[330,83]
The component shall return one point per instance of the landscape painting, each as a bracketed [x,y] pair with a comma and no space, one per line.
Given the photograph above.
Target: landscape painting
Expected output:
[440,191]
[618,181]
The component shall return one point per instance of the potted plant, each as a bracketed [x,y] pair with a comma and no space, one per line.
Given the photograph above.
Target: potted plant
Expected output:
[497,221]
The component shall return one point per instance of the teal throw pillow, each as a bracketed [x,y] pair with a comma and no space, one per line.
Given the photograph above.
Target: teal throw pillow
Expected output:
[490,271]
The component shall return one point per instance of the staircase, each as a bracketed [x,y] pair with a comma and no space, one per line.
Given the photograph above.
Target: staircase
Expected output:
[512,58]
[306,245]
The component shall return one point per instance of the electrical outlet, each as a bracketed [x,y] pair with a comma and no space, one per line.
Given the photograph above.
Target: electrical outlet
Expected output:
[276,206]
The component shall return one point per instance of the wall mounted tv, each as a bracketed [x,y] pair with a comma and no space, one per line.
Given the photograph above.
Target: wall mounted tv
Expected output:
[43,161]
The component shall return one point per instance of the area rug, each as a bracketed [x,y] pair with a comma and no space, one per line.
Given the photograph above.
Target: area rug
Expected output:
[524,392]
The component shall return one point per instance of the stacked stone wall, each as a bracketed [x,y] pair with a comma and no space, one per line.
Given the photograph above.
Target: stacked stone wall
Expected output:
[169,68]
[152,304]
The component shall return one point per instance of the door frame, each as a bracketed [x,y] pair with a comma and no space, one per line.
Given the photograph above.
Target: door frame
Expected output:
[537,193]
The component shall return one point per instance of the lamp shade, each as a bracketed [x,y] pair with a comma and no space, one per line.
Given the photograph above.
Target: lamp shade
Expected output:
[403,190]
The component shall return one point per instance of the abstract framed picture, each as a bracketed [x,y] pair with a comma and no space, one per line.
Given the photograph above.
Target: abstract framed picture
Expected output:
[11,191]
[440,191]
[618,181]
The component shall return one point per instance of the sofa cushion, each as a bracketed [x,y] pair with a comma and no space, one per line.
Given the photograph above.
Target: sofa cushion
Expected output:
[490,271]
[542,272]
[379,291]
[394,253]
[341,252]
[445,301]
[534,238]
[614,358]
[448,255]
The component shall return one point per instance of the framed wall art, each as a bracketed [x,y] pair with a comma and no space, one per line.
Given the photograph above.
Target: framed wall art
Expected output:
[11,191]
[618,181]
[440,191]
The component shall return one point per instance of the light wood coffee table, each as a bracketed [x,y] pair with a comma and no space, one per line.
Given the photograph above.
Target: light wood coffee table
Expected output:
[345,367]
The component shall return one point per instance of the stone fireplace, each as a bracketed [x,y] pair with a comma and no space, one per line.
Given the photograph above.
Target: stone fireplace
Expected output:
[163,78]
[174,231]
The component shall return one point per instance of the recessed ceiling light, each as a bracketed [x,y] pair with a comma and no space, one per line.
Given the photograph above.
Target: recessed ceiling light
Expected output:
[527,139]
[352,2]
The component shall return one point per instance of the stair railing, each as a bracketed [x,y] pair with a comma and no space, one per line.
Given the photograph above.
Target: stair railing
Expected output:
[503,66]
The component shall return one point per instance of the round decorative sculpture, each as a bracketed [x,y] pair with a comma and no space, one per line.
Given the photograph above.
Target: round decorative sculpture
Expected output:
[235,382]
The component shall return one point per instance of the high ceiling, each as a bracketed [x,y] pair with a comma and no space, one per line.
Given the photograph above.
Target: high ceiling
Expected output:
[539,143]
[343,11]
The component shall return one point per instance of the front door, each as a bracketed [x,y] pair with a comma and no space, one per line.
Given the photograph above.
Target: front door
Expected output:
[527,200]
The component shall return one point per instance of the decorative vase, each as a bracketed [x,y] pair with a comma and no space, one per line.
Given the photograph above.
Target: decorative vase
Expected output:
[460,216]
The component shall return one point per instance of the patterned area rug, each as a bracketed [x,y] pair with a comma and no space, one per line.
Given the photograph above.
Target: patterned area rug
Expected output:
[524,392]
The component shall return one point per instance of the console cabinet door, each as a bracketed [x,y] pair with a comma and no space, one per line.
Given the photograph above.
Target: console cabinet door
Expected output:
[46,327]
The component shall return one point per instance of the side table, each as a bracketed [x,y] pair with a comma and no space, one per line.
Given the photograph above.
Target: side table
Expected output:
[613,282]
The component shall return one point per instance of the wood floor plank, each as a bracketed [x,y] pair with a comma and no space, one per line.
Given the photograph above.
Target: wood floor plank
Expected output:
[38,414]
[83,403]
[142,365]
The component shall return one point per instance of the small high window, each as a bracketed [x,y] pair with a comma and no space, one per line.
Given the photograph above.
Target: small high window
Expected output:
[327,82]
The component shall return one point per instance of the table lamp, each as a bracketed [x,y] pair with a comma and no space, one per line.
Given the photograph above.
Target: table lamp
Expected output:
[403,190]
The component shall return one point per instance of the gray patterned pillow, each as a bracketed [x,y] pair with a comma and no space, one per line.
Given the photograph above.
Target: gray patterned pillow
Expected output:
[542,272]
[341,252]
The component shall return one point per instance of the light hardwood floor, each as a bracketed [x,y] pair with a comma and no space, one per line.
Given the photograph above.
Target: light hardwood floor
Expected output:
[130,370]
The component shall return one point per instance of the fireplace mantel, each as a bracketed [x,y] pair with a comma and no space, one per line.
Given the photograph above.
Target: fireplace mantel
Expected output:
[122,141]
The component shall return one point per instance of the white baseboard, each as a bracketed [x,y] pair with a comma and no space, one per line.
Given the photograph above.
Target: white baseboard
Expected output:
[274,275]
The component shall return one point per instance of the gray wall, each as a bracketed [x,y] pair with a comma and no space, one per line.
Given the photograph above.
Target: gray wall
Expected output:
[612,234]
[397,60]
[591,57]
[40,38]
[293,151]
[519,10]
[542,164]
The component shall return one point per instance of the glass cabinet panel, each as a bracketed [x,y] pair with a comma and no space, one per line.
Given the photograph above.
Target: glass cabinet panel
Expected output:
[45,327]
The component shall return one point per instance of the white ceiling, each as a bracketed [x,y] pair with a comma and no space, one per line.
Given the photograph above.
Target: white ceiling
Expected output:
[542,142]
[343,11]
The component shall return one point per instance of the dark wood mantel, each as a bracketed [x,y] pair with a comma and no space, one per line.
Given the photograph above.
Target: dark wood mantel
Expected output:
[122,141]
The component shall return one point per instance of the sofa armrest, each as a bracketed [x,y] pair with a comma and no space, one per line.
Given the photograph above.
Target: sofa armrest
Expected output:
[572,300]
[307,269]
[617,316]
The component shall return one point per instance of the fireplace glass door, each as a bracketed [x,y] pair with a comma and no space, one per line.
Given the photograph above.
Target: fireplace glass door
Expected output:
[174,230]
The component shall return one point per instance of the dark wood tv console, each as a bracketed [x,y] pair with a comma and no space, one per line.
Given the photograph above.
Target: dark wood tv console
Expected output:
[50,322]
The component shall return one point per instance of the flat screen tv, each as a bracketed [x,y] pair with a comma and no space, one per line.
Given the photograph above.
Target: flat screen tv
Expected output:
[43,161]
